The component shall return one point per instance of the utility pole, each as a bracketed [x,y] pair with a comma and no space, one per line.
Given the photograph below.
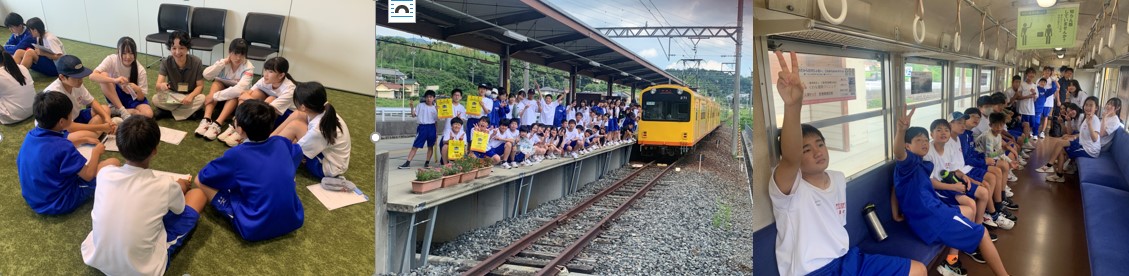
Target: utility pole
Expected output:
[526,77]
[737,81]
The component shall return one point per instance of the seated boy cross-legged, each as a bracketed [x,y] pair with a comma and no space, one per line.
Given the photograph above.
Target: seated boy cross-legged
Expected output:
[932,220]
[809,202]
[161,212]
[54,177]
[252,184]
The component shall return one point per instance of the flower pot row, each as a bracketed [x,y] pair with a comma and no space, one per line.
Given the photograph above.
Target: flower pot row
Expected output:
[451,174]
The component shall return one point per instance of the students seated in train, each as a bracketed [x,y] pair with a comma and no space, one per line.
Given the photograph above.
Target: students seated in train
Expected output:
[809,202]
[1111,121]
[1009,133]
[1087,143]
[1074,93]
[992,173]
[931,219]
[951,180]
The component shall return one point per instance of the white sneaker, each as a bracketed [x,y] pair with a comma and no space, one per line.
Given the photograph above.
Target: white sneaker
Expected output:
[234,139]
[1022,163]
[212,131]
[1055,178]
[230,129]
[1027,146]
[506,165]
[1046,169]
[1011,177]
[989,222]
[528,163]
[203,127]
[1007,191]
[574,156]
[1004,223]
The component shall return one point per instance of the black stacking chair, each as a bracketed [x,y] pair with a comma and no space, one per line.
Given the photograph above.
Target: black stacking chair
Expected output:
[170,17]
[208,22]
[263,29]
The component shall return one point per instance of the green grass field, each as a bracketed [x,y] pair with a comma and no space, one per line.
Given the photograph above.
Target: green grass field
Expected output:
[329,243]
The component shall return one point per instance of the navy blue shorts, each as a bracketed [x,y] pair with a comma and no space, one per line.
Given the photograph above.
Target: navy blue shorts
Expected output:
[177,228]
[313,165]
[950,197]
[519,157]
[490,153]
[84,116]
[222,203]
[977,173]
[1046,111]
[1032,120]
[281,118]
[128,101]
[425,134]
[956,231]
[1075,150]
[45,66]
[858,263]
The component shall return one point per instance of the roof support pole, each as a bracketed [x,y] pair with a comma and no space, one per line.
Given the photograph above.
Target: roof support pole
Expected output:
[633,85]
[572,84]
[504,62]
[611,82]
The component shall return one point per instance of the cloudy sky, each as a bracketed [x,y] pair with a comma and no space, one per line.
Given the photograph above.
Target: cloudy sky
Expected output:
[637,13]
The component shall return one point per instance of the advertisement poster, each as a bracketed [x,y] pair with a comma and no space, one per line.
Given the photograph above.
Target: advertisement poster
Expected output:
[828,84]
[921,82]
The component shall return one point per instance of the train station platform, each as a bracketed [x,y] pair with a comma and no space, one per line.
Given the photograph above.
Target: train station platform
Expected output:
[417,220]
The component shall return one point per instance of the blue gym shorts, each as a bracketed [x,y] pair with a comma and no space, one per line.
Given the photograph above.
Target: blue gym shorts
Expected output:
[425,134]
[956,231]
[177,228]
[313,165]
[129,102]
[858,263]
[282,118]
[950,197]
[1075,150]
[84,116]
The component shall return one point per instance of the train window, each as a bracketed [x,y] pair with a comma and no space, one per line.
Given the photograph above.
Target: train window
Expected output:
[852,124]
[964,82]
[986,78]
[925,82]
[666,107]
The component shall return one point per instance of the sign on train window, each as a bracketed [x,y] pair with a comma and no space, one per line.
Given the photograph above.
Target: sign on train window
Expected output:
[1045,28]
[828,84]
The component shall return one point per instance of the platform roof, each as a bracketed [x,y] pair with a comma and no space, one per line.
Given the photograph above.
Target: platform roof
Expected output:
[555,39]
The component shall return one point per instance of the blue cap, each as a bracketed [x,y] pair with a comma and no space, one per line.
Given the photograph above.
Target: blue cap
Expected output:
[957,115]
[71,67]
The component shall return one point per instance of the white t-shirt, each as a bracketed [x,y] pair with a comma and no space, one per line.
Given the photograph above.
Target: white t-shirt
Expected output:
[1027,106]
[1052,83]
[15,99]
[128,235]
[810,224]
[495,138]
[113,67]
[458,135]
[487,106]
[50,41]
[1080,100]
[426,114]
[283,95]
[951,160]
[1093,148]
[570,114]
[80,97]
[237,79]
[335,159]
[548,112]
[529,113]
[460,112]
[984,126]
[572,134]
[1011,93]
[1111,125]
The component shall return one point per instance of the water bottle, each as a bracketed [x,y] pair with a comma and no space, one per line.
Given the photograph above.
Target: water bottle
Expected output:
[875,225]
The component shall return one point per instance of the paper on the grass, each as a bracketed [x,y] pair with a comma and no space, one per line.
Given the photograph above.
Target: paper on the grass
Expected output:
[111,142]
[172,136]
[86,151]
[335,199]
[169,175]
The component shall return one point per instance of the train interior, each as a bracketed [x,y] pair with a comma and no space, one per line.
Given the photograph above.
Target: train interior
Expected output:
[864,59]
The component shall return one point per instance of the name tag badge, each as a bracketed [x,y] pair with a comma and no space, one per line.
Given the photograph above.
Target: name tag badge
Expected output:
[182,87]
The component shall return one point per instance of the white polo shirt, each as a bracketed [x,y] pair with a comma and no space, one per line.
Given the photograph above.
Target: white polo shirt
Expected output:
[15,99]
[1093,148]
[810,224]
[548,112]
[80,97]
[128,235]
[1027,106]
[426,114]
[460,112]
[283,95]
[335,159]
[112,66]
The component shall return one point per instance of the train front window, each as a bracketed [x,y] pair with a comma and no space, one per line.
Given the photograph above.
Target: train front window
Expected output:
[666,110]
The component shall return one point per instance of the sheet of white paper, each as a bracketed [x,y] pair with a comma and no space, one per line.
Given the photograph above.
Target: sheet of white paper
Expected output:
[333,200]
[172,136]
[169,175]
[111,142]
[86,151]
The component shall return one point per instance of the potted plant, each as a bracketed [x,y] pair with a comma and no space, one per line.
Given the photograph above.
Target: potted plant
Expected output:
[450,174]
[468,168]
[485,167]
[427,180]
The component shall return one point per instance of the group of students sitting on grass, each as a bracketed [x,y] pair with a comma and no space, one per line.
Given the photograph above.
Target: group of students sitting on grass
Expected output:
[278,126]
[950,181]
[542,129]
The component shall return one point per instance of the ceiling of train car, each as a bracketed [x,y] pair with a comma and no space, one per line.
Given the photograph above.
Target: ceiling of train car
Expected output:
[894,18]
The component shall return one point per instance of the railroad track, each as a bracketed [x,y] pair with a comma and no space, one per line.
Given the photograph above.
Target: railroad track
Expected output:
[558,241]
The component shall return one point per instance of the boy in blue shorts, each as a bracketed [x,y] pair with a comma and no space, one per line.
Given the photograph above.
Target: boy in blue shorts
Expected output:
[54,177]
[930,219]
[809,202]
[161,211]
[252,184]
[426,115]
[91,118]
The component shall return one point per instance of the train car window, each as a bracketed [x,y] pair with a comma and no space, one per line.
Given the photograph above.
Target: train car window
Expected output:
[986,78]
[925,83]
[666,105]
[965,77]
[858,143]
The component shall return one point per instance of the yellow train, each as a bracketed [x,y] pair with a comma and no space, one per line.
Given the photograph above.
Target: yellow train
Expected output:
[673,119]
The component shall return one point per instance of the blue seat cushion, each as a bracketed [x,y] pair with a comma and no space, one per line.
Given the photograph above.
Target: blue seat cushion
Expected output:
[901,242]
[764,251]
[1102,171]
[1107,228]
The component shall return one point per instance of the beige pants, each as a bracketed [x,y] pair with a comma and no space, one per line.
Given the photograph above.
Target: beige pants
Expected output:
[170,101]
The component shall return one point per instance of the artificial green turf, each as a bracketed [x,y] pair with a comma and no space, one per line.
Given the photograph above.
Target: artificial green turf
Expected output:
[329,243]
